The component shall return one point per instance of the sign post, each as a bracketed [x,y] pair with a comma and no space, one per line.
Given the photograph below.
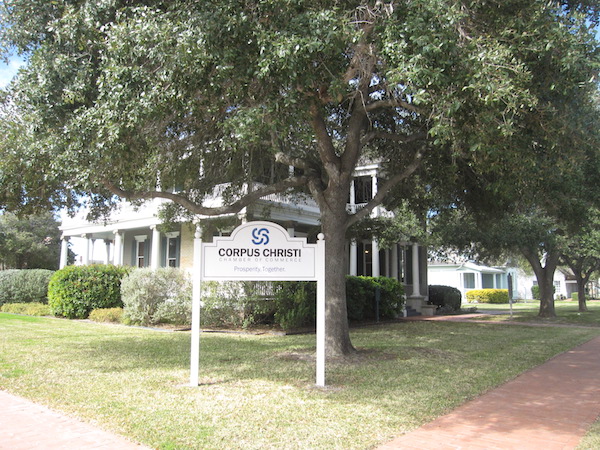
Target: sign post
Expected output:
[259,251]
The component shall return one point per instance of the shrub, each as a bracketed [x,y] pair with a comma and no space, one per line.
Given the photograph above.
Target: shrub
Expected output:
[28,309]
[157,296]
[75,291]
[488,296]
[361,297]
[237,303]
[296,301]
[113,315]
[24,286]
[535,291]
[575,296]
[295,304]
[446,297]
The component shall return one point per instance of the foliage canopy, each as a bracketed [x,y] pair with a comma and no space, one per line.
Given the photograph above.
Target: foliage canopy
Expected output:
[150,98]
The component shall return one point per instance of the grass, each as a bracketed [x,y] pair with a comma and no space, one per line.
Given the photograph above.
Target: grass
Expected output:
[567,312]
[257,391]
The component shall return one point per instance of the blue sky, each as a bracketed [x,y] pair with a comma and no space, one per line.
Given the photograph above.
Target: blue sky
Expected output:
[7,71]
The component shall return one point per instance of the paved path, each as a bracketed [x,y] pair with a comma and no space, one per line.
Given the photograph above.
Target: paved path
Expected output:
[548,407]
[27,426]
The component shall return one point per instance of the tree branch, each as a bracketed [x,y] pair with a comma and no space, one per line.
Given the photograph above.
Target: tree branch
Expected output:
[393,137]
[196,208]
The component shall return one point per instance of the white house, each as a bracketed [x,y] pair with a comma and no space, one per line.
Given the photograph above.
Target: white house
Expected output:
[132,236]
[467,276]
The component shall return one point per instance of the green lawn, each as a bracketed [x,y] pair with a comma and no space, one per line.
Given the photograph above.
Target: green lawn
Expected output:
[567,312]
[257,391]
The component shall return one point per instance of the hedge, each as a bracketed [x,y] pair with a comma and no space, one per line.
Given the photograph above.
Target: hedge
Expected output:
[112,315]
[445,296]
[74,291]
[28,309]
[24,286]
[487,296]
[292,305]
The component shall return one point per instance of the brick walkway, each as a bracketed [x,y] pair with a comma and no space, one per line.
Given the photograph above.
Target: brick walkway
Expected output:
[548,407]
[27,426]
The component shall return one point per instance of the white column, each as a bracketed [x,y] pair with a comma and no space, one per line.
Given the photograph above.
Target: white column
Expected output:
[394,265]
[415,271]
[352,197]
[155,252]
[353,258]
[118,252]
[107,254]
[64,252]
[196,298]
[86,250]
[374,193]
[375,245]
[291,231]
[375,259]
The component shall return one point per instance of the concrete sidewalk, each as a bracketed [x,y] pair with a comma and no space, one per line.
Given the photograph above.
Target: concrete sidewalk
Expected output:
[548,407]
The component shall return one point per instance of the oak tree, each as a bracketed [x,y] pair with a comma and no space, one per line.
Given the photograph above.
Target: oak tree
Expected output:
[131,98]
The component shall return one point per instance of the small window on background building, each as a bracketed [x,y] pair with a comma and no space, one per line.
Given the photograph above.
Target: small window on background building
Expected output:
[469,280]
[500,284]
[487,281]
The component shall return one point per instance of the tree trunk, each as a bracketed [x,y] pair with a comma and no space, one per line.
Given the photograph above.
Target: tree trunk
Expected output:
[333,226]
[545,279]
[546,283]
[581,282]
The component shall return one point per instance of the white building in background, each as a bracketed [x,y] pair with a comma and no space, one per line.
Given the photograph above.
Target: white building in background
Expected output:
[132,236]
[466,276]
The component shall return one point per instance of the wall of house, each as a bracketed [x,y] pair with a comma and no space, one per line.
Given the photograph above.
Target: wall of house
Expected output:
[186,250]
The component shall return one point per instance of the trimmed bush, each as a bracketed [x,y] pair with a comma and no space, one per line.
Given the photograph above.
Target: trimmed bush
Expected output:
[575,296]
[75,291]
[28,309]
[24,286]
[157,296]
[445,296]
[113,315]
[487,296]
[361,298]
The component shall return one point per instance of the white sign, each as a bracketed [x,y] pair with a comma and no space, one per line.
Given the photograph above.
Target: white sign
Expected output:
[258,251]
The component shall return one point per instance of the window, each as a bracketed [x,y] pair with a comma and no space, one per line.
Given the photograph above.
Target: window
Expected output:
[487,281]
[469,280]
[363,190]
[172,249]
[140,251]
[500,284]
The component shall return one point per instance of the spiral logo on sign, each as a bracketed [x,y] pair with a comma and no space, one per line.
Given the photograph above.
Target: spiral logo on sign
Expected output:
[260,236]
